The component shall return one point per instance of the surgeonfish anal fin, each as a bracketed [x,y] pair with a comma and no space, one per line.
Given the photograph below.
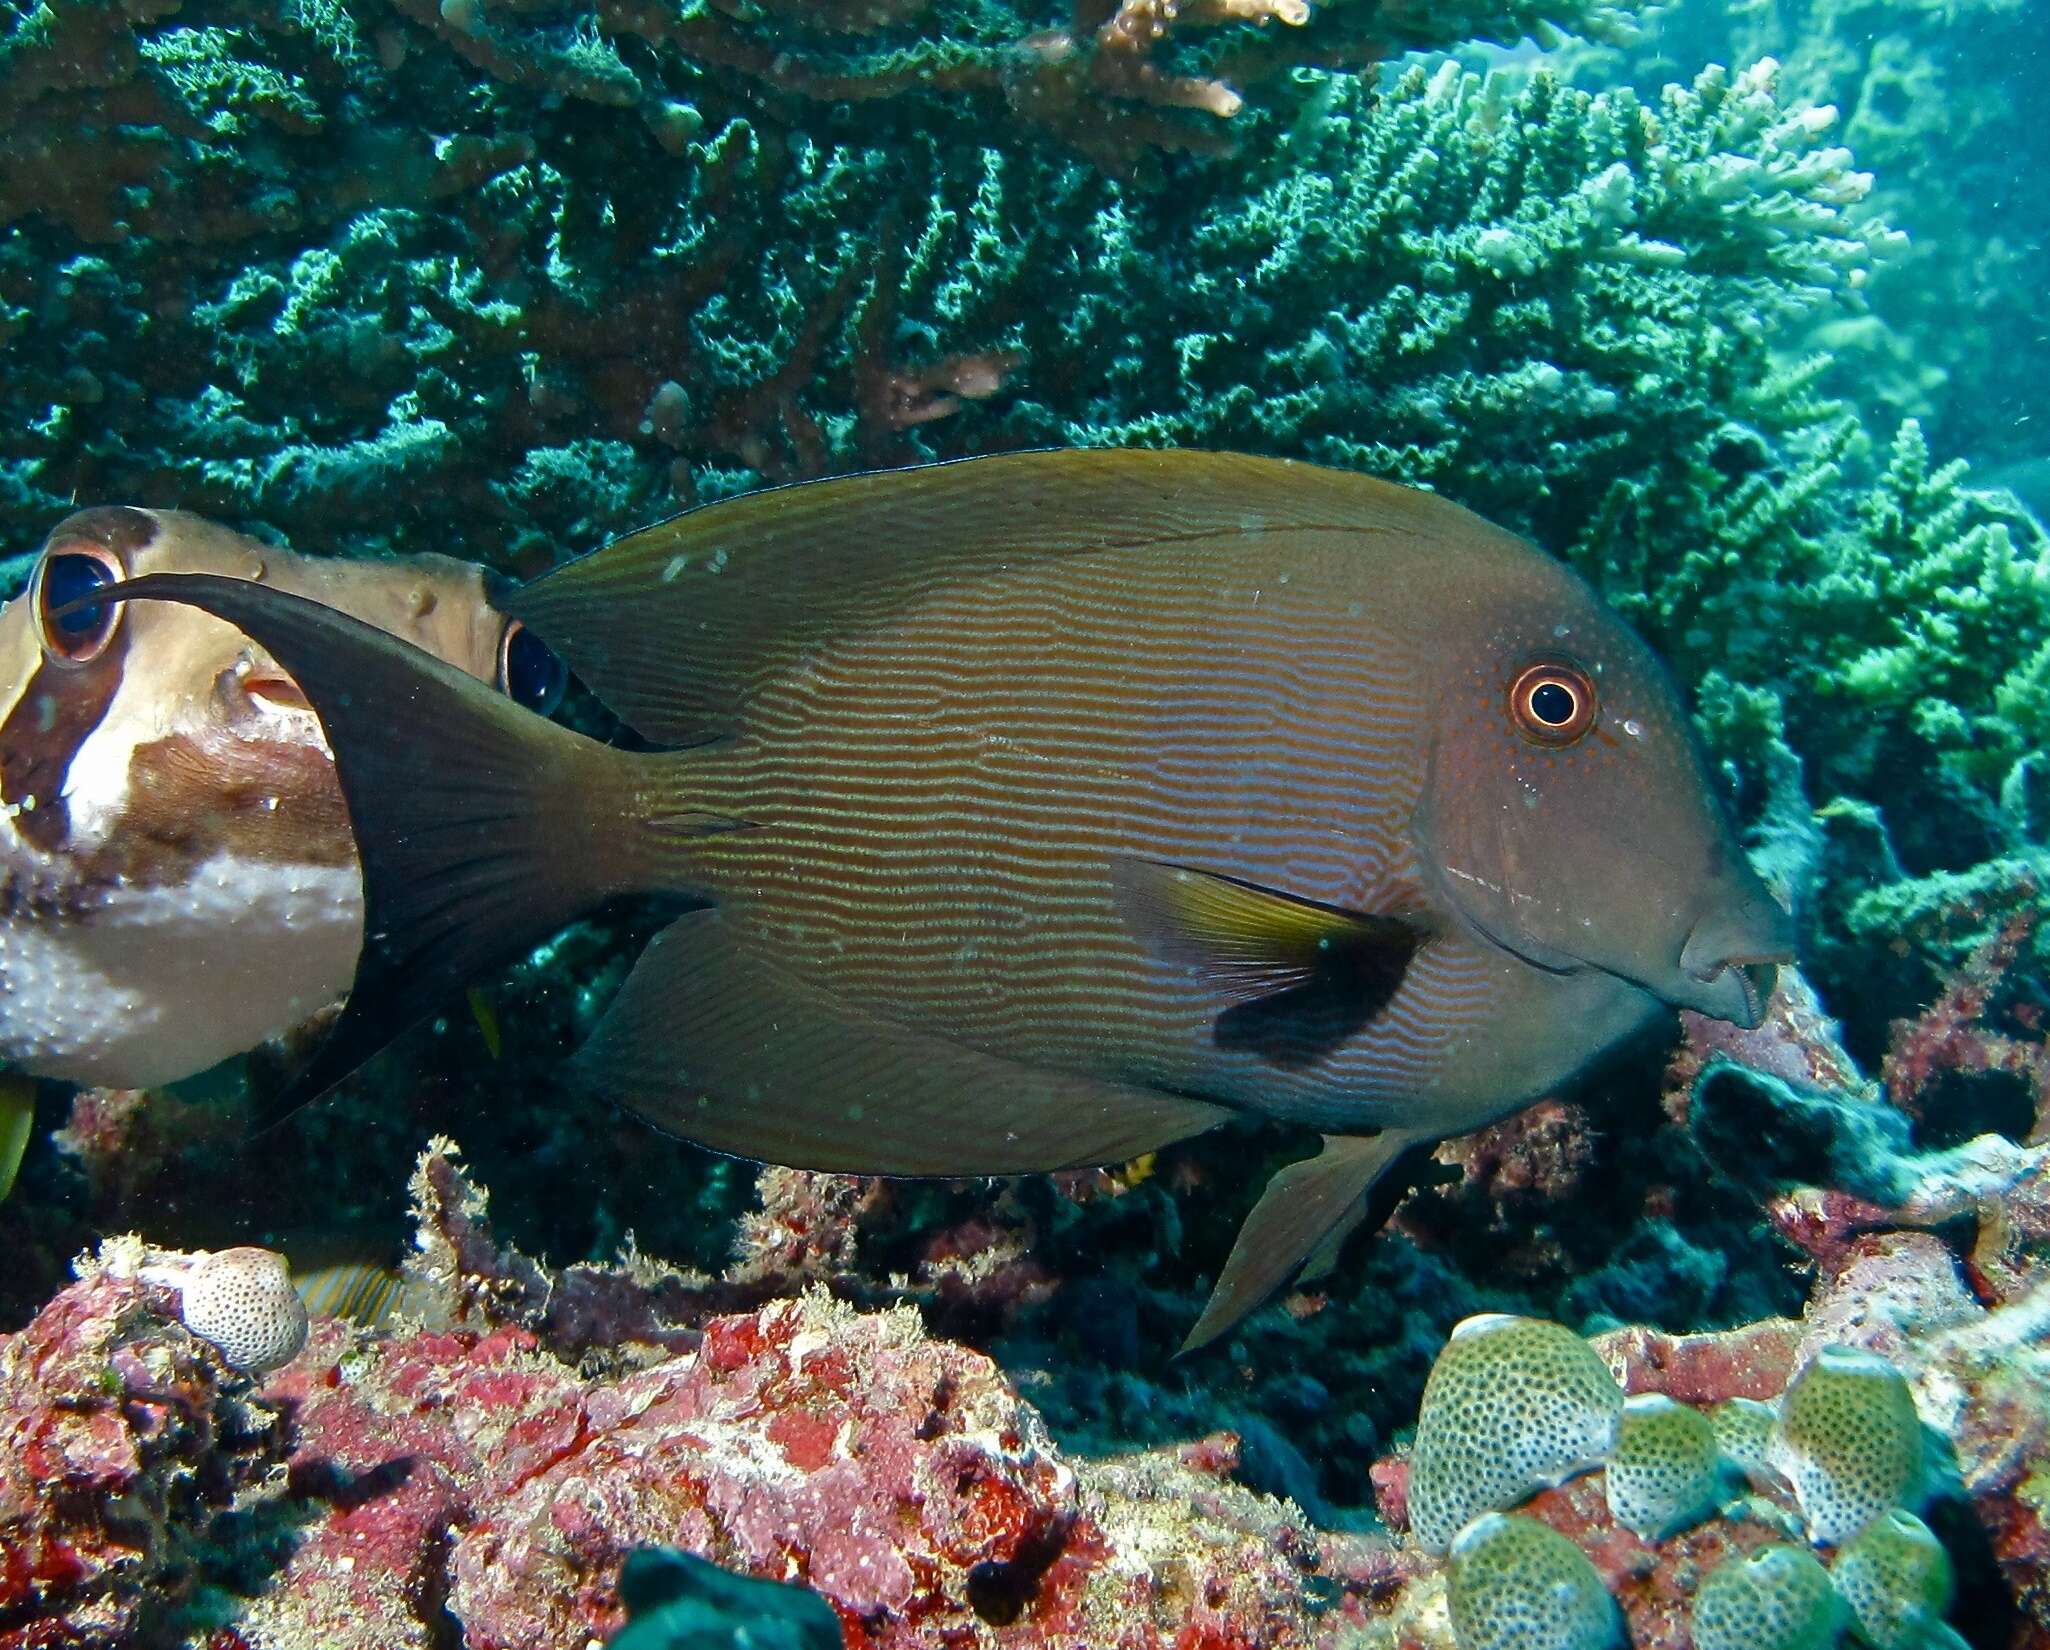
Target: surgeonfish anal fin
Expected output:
[713,1042]
[1302,976]
[676,625]
[1307,1209]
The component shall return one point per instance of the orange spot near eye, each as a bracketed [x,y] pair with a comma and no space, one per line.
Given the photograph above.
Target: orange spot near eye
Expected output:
[278,690]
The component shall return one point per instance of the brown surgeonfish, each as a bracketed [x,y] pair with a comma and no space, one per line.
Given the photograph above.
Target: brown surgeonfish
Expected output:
[177,877]
[1051,807]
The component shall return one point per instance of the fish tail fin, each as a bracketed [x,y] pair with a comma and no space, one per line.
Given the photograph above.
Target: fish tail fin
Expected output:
[481,827]
[1307,1209]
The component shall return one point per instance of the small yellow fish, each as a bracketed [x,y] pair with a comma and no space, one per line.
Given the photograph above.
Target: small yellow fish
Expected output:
[177,878]
[363,1292]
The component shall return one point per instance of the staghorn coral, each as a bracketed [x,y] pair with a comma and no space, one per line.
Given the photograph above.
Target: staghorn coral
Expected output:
[464,313]
[1934,93]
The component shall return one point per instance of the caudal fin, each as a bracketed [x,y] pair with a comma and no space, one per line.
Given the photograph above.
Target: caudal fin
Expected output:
[482,828]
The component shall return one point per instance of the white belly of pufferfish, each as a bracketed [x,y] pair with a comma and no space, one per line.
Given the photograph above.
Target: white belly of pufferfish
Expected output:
[161,982]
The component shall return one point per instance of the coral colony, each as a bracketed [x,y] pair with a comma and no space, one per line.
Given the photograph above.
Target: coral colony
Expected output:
[1740,1345]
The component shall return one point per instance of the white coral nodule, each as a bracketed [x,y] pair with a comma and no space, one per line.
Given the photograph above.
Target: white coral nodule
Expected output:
[241,1301]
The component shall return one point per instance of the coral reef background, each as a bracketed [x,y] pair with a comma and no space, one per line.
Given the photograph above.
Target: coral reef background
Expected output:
[1733,307]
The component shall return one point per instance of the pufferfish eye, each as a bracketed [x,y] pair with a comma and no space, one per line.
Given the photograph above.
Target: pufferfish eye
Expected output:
[1552,702]
[529,673]
[62,578]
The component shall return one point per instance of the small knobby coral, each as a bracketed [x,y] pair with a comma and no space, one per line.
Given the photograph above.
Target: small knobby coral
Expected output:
[1849,1441]
[1512,1405]
[242,1302]
[1776,1598]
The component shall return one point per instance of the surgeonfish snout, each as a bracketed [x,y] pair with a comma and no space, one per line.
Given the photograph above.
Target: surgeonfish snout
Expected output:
[1727,967]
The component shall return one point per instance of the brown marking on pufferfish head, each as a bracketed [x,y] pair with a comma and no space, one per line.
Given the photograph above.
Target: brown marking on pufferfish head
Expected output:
[1570,810]
[148,739]
[68,688]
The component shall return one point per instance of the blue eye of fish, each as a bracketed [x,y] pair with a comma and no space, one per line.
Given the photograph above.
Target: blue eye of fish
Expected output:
[67,578]
[529,673]
[1552,704]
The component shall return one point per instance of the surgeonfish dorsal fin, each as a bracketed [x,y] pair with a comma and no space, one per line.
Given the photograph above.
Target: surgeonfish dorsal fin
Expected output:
[674,626]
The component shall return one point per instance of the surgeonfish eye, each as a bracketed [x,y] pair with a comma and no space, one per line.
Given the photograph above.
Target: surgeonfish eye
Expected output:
[1552,702]
[67,576]
[529,673]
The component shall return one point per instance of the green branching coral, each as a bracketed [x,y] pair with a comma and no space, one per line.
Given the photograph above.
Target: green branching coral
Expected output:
[1519,297]
[1933,93]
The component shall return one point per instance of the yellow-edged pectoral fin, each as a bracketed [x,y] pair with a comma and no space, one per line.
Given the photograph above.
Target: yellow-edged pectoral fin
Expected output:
[17,1123]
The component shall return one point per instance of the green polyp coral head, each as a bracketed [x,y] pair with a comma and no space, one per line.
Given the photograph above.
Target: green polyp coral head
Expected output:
[1743,1431]
[1777,1598]
[1513,1405]
[1667,1468]
[1897,1580]
[1516,1584]
[1849,1441]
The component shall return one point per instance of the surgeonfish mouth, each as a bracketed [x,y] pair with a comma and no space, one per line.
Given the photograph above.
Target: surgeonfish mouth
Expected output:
[1124,792]
[178,880]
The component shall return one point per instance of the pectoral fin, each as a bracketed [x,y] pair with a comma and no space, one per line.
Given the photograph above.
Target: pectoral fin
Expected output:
[1306,1211]
[1303,976]
[17,1122]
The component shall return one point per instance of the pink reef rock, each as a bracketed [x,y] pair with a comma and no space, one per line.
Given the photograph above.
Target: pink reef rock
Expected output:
[402,1488]
[123,1438]
[901,1477]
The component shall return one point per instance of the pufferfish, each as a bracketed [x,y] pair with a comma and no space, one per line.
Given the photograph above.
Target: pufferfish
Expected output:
[178,880]
[1042,809]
